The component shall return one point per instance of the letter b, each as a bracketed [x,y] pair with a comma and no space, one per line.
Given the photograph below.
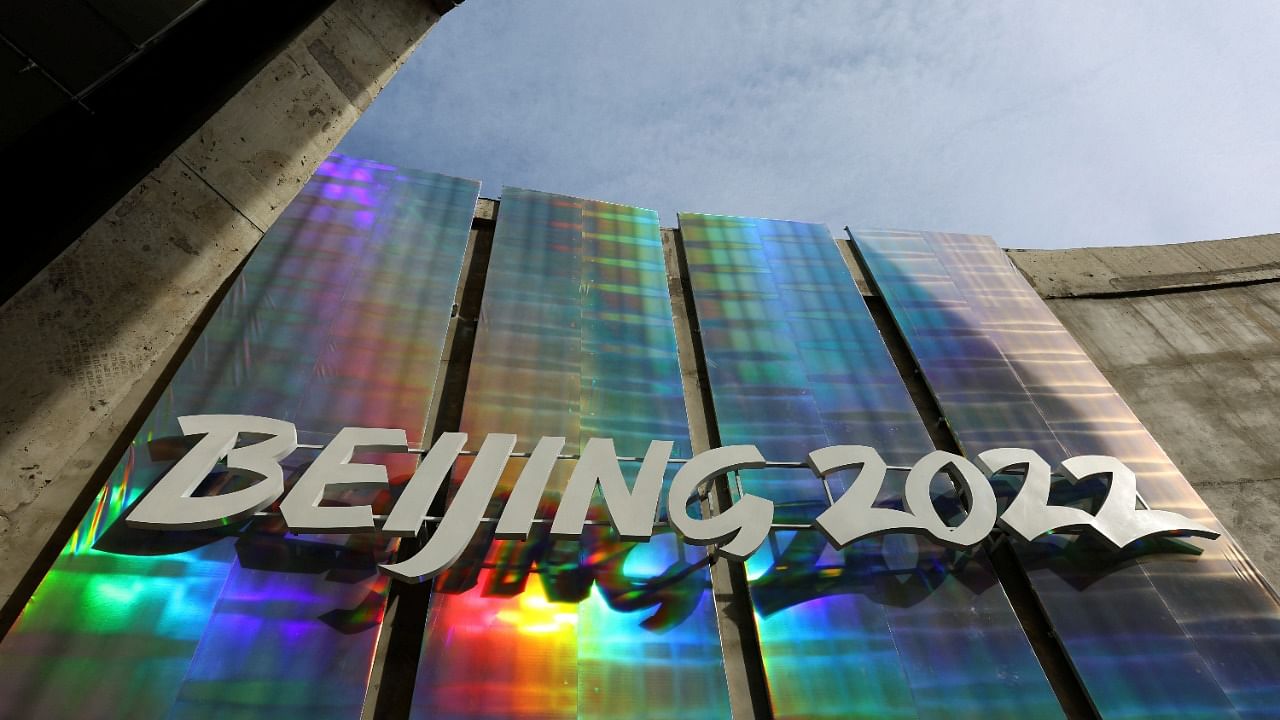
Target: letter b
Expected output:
[170,505]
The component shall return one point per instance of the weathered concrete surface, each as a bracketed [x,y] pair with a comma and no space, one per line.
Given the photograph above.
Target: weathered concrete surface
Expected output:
[1104,271]
[264,144]
[1199,362]
[88,336]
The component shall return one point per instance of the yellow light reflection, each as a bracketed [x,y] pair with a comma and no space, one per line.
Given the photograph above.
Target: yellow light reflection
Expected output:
[538,616]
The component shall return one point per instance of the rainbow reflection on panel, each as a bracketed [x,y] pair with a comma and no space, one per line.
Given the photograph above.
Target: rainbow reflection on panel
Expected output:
[575,340]
[337,319]
[1151,633]
[893,627]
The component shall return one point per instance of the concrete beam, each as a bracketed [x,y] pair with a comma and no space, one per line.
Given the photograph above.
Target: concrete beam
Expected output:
[91,333]
[739,638]
[1087,272]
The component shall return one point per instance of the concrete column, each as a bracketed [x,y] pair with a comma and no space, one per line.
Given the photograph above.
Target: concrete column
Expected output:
[86,340]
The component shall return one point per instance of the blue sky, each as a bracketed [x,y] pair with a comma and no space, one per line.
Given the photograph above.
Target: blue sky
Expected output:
[1045,124]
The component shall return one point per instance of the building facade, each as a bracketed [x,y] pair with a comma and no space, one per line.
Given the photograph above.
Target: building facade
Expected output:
[391,298]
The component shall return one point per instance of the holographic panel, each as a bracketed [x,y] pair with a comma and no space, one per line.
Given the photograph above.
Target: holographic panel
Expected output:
[892,627]
[1168,628]
[338,319]
[575,340]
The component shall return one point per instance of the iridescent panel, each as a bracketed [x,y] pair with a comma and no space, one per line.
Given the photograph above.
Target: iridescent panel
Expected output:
[337,319]
[1167,628]
[892,627]
[575,340]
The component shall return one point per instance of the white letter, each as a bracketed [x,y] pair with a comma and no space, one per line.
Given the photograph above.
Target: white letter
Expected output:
[170,506]
[301,507]
[853,517]
[461,519]
[748,520]
[973,485]
[632,512]
[1030,515]
[415,500]
[1118,520]
[522,505]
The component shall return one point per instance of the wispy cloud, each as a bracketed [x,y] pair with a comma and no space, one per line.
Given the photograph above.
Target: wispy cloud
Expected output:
[1046,124]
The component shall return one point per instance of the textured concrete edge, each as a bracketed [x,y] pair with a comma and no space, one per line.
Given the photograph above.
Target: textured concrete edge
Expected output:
[1091,272]
[102,322]
[735,620]
[55,513]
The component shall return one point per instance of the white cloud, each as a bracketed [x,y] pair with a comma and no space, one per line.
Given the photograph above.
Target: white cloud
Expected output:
[1047,124]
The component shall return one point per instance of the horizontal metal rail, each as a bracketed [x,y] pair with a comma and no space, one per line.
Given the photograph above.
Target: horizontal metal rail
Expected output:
[435,519]
[421,452]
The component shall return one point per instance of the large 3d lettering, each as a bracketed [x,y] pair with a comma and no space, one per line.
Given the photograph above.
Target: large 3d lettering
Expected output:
[747,521]
[301,509]
[446,544]
[1119,522]
[736,532]
[632,512]
[853,517]
[170,505]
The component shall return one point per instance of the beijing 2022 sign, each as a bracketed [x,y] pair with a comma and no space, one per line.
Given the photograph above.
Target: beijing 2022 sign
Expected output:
[737,532]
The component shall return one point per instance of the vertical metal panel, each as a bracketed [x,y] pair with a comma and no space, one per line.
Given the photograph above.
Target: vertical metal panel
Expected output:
[1152,634]
[893,627]
[575,340]
[338,319]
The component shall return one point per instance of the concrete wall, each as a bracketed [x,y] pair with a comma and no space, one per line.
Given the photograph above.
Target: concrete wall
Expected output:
[1190,336]
[87,339]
